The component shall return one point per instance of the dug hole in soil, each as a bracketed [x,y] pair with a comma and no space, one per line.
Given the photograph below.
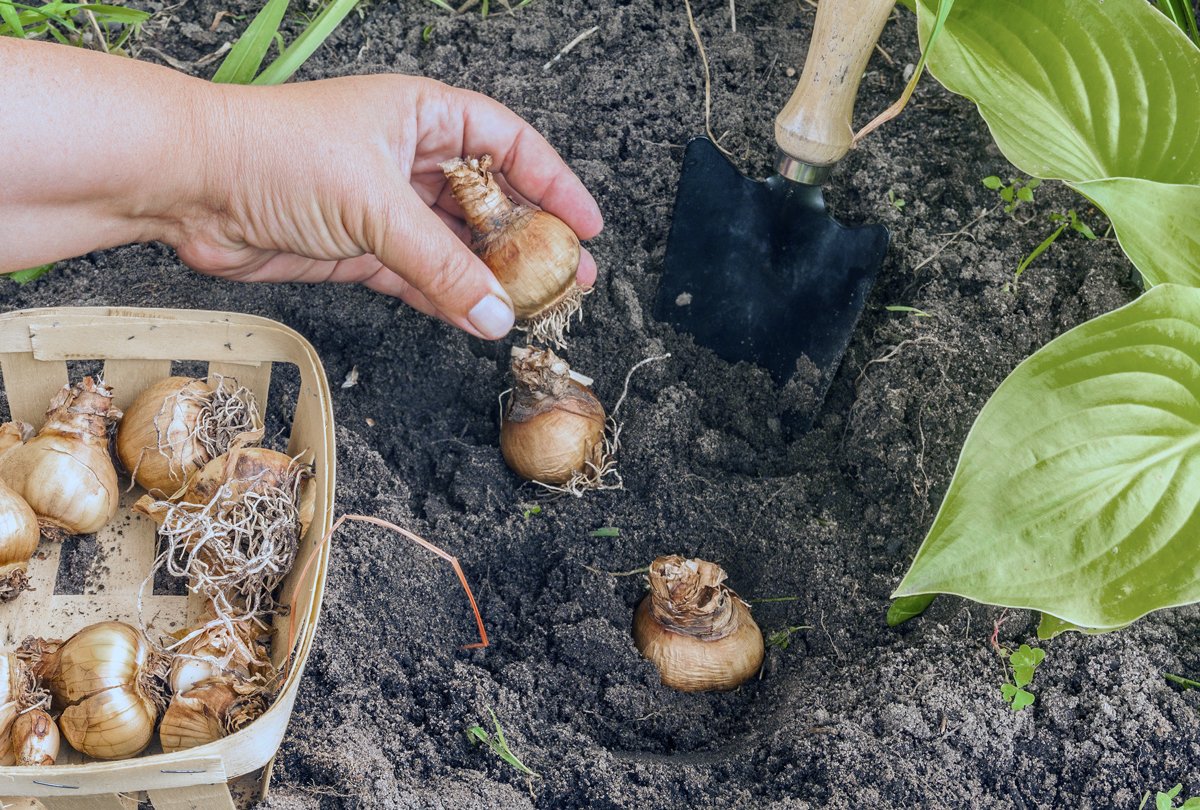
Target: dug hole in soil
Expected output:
[851,713]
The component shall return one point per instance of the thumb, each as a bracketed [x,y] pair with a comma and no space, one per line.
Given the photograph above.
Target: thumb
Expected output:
[418,247]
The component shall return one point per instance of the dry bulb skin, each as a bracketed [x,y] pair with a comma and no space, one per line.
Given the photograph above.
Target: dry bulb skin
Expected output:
[110,684]
[234,532]
[179,424]
[14,433]
[695,629]
[218,649]
[65,472]
[22,732]
[553,429]
[533,254]
[207,712]
[19,692]
[19,535]
[35,738]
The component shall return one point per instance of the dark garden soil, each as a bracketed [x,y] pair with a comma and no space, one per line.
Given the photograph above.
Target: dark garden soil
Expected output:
[852,713]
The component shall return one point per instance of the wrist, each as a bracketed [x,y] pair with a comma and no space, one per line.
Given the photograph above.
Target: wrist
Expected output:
[187,184]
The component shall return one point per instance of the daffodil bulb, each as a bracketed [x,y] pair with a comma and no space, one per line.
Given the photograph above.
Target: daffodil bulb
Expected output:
[695,629]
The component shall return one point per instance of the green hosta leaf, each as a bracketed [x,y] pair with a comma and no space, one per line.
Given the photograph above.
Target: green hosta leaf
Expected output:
[908,607]
[1051,626]
[1078,489]
[1158,223]
[1104,95]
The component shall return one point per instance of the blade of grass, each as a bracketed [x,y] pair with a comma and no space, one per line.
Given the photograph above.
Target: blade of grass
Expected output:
[28,275]
[891,112]
[442,4]
[1181,13]
[117,14]
[12,20]
[309,40]
[243,62]
[1040,249]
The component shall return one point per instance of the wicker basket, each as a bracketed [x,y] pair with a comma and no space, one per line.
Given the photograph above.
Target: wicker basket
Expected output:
[137,347]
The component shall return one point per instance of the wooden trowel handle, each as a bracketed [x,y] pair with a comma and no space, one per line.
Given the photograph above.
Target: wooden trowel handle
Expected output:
[815,127]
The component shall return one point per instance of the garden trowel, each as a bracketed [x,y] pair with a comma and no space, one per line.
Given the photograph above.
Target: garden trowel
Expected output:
[758,270]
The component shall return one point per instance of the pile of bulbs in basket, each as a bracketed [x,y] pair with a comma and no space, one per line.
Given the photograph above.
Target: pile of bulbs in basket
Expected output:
[230,516]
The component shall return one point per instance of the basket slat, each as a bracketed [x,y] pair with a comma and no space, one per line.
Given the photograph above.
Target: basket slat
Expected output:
[101,801]
[38,380]
[35,603]
[128,378]
[194,797]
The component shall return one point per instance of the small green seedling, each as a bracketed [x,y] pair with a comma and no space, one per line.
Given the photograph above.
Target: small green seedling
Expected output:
[68,22]
[242,64]
[1014,192]
[897,202]
[1062,222]
[531,511]
[780,639]
[920,313]
[1024,661]
[1179,680]
[1166,801]
[498,745]
[607,531]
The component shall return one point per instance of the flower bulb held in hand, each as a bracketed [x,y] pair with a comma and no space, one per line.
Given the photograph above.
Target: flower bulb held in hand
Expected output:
[533,254]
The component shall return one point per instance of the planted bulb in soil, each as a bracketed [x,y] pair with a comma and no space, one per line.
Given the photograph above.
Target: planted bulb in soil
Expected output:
[695,629]
[553,427]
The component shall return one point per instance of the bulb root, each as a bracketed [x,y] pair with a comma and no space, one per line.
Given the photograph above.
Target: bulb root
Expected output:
[552,324]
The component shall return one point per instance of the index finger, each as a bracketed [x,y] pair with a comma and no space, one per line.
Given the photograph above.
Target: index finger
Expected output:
[528,163]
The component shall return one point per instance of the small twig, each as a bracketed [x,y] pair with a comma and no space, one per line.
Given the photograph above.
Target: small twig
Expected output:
[102,43]
[733,16]
[707,80]
[570,46]
[225,48]
[895,350]
[956,234]
[462,578]
[629,376]
[600,572]
[220,15]
[170,60]
[995,639]
[830,637]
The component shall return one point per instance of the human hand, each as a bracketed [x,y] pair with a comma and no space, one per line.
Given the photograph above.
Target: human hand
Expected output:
[338,180]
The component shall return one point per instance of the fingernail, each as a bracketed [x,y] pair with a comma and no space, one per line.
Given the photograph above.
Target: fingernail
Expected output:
[491,317]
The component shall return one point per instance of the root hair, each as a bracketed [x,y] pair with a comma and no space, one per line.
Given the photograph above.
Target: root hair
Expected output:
[551,324]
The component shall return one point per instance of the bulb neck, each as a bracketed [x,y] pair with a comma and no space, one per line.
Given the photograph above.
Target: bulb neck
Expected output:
[485,206]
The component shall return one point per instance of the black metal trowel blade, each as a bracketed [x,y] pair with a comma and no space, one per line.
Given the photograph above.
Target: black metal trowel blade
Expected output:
[759,271]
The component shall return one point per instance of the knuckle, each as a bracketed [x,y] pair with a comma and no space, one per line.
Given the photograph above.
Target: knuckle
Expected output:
[449,277]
